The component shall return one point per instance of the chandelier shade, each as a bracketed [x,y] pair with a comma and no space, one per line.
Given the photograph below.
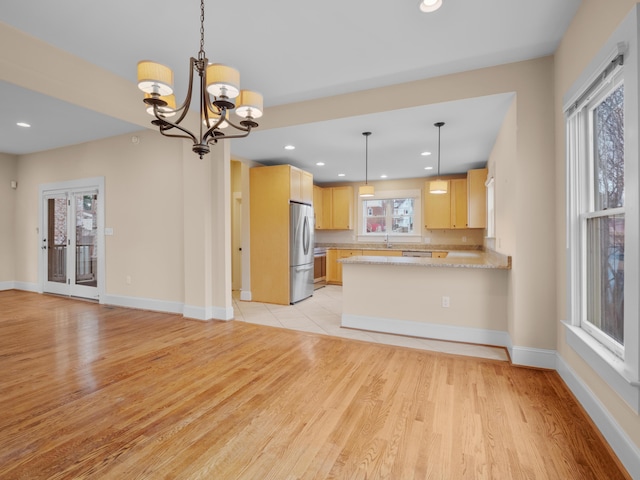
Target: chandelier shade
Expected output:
[155,78]
[218,86]
[249,104]
[167,111]
[223,80]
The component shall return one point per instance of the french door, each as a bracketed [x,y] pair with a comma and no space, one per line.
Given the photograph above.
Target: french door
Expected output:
[71,249]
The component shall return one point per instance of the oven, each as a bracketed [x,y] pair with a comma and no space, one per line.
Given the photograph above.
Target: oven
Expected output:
[319,265]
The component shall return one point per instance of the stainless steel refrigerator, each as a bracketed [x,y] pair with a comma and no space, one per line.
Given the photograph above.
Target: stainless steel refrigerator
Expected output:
[301,242]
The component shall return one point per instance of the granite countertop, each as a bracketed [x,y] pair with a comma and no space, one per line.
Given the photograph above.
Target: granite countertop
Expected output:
[454,259]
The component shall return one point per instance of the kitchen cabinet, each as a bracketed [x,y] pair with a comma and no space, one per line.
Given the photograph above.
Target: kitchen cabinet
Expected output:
[446,210]
[458,203]
[300,185]
[271,189]
[337,208]
[318,207]
[437,208]
[477,198]
[334,267]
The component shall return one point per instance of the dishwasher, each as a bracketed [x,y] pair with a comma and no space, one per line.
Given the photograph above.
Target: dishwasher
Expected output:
[416,253]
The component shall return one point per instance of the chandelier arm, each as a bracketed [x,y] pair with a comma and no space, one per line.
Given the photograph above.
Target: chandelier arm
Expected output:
[165,125]
[215,139]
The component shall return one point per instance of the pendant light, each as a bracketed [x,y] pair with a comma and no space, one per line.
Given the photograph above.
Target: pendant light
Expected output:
[366,190]
[438,187]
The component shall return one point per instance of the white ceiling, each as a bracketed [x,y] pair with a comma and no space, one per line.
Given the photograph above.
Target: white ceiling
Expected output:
[292,51]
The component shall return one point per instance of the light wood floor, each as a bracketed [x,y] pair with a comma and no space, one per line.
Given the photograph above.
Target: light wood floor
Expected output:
[89,391]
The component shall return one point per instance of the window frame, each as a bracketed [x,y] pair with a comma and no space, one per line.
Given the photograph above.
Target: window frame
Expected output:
[620,370]
[415,236]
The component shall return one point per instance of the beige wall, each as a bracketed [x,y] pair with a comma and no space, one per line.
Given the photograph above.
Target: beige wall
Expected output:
[8,172]
[589,30]
[143,195]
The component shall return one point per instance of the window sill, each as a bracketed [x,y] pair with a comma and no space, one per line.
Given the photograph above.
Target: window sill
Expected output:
[607,365]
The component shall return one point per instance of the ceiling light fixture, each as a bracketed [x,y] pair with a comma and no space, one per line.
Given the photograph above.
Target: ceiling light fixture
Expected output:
[425,154]
[341,174]
[320,164]
[366,190]
[428,6]
[438,186]
[289,147]
[219,86]
[23,124]
[428,168]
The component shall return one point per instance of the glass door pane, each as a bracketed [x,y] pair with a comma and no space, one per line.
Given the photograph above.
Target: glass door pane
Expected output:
[86,239]
[56,241]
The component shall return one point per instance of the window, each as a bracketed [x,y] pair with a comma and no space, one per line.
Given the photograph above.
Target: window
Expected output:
[602,185]
[391,215]
[602,219]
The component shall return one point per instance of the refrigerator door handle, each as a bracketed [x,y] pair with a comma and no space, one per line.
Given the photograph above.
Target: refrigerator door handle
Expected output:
[305,235]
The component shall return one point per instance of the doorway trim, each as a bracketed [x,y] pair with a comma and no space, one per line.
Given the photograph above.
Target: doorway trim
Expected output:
[96,183]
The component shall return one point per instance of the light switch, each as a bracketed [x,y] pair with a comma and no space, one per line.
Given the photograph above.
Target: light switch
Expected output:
[108,231]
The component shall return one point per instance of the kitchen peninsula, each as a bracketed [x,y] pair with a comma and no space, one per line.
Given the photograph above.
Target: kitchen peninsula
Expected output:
[462,297]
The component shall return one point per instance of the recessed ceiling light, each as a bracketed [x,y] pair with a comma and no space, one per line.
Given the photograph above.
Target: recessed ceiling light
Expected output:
[428,6]
[341,174]
[320,164]
[289,147]
[23,124]
[428,168]
[425,154]
[383,176]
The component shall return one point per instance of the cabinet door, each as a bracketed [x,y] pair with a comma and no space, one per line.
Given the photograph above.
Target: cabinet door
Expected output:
[332,267]
[327,208]
[437,208]
[477,198]
[295,182]
[342,207]
[306,187]
[458,203]
[318,207]
[382,253]
[344,254]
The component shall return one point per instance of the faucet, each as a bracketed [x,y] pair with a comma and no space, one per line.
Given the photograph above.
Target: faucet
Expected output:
[386,240]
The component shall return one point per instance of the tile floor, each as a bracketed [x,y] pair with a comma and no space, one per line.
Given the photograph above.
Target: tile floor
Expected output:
[322,314]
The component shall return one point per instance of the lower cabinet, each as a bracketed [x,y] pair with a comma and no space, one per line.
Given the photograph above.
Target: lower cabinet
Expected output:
[334,267]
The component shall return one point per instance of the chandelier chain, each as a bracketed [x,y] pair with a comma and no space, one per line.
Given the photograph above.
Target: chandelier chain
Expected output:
[201,52]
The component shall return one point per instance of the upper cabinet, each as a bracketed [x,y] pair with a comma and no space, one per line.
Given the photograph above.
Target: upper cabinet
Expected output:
[446,210]
[337,208]
[463,206]
[437,208]
[318,206]
[477,193]
[300,185]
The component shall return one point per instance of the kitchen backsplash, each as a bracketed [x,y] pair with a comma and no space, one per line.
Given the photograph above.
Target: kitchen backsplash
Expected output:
[435,237]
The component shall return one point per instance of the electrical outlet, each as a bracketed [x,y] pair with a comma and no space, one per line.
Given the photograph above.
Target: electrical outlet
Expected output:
[128,279]
[445,302]
[464,239]
[427,239]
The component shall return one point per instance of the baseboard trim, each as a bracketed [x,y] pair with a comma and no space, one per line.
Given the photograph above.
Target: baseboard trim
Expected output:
[208,313]
[245,295]
[428,330]
[533,357]
[619,441]
[26,286]
[142,303]
[7,286]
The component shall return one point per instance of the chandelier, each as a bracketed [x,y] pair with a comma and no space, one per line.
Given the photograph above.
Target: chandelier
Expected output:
[219,87]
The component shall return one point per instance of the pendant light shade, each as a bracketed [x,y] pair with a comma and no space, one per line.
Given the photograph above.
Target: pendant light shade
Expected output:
[438,187]
[366,190]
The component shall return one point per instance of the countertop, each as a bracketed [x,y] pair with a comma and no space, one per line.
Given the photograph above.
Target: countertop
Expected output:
[454,259]
[400,247]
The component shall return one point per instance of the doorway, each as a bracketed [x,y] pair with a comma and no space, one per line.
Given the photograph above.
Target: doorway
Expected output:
[72,249]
